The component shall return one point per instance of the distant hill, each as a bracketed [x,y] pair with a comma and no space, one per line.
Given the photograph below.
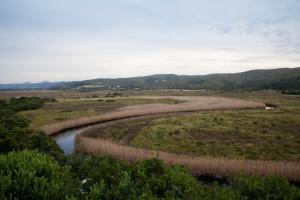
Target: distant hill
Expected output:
[45,85]
[275,79]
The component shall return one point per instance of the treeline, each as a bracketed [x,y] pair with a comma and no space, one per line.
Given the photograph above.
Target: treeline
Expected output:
[33,167]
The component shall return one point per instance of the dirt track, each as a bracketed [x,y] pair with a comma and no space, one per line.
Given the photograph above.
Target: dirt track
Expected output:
[191,104]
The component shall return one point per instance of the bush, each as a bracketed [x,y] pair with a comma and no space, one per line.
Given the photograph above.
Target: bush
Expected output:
[96,191]
[3,104]
[13,132]
[43,143]
[151,179]
[151,167]
[258,187]
[16,135]
[26,103]
[180,183]
[33,175]
[98,171]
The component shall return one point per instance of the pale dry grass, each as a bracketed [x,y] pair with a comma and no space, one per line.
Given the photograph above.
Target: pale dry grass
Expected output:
[198,165]
[192,103]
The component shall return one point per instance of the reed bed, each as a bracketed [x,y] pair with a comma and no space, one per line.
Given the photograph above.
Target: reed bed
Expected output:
[191,104]
[198,165]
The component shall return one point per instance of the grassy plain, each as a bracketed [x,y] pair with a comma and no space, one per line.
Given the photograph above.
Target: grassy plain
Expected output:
[66,109]
[243,134]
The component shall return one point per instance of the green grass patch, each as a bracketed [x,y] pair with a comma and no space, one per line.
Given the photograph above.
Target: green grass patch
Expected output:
[39,118]
[242,134]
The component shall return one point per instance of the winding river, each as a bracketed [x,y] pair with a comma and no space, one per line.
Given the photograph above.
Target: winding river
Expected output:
[64,132]
[66,139]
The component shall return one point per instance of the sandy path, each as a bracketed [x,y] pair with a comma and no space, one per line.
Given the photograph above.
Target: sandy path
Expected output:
[190,104]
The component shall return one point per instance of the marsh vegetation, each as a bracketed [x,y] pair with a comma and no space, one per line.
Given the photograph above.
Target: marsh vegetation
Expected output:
[40,161]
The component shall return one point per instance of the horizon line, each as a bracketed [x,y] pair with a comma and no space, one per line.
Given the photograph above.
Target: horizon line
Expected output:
[45,81]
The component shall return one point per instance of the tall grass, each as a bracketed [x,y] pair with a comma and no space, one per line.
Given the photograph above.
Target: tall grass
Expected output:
[191,104]
[198,165]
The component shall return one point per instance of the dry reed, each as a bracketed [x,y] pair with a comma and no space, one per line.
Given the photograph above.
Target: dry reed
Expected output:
[198,165]
[191,104]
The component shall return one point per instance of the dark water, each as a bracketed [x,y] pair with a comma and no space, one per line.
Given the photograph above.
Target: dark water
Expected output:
[66,139]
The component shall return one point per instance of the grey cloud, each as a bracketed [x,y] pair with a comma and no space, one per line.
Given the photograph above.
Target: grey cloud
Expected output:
[46,40]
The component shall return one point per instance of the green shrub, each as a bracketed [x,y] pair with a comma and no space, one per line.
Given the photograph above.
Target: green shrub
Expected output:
[3,104]
[151,179]
[148,177]
[264,188]
[10,120]
[220,192]
[25,103]
[180,183]
[16,135]
[43,143]
[13,132]
[33,175]
[96,191]
[151,167]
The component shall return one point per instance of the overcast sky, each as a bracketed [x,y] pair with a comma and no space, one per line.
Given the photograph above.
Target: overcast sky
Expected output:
[81,39]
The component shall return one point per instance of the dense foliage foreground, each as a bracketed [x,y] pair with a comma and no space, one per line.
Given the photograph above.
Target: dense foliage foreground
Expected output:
[33,167]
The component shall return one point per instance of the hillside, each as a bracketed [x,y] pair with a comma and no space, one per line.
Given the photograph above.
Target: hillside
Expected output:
[277,79]
[30,86]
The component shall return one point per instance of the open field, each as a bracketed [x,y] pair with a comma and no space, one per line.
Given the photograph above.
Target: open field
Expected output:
[243,134]
[51,93]
[40,118]
[211,141]
[190,104]
[66,109]
[100,94]
[237,134]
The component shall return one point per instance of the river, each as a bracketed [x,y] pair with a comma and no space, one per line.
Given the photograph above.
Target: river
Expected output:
[66,139]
